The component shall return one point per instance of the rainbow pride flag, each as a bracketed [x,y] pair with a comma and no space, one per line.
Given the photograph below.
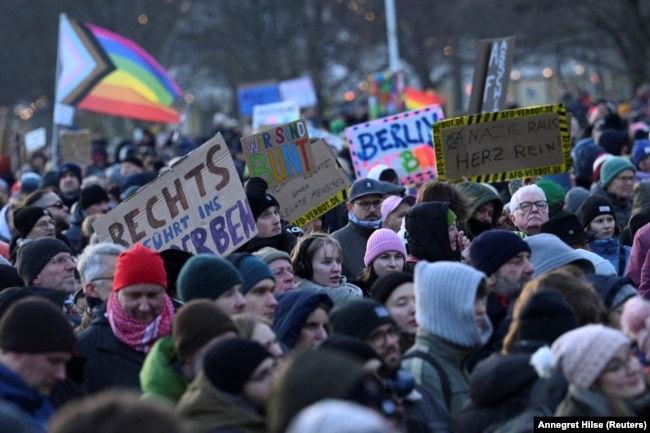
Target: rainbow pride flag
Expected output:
[104,72]
[416,99]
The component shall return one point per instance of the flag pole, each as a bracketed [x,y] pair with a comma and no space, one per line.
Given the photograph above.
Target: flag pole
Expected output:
[54,161]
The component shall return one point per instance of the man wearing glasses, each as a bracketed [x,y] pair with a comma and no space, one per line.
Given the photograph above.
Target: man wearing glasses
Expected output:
[530,209]
[364,217]
[48,199]
[617,184]
[96,266]
[47,263]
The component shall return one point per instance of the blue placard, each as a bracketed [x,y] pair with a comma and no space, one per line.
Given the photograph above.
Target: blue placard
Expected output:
[251,96]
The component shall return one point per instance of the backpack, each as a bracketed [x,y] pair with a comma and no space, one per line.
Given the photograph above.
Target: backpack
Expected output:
[444,380]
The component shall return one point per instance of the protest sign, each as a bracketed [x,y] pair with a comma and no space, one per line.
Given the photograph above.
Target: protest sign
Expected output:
[402,142]
[306,198]
[198,206]
[300,90]
[385,94]
[35,139]
[76,146]
[491,75]
[249,96]
[505,145]
[279,154]
[277,113]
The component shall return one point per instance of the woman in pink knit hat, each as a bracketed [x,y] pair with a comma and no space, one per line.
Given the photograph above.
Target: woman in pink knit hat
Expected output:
[605,379]
[385,252]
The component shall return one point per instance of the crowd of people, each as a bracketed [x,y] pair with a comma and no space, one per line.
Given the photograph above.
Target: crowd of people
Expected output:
[439,307]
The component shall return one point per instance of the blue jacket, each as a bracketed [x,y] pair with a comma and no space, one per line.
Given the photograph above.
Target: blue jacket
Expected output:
[610,250]
[15,391]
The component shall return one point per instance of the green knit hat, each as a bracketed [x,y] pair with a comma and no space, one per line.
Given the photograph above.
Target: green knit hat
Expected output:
[206,276]
[451,217]
[612,168]
[553,191]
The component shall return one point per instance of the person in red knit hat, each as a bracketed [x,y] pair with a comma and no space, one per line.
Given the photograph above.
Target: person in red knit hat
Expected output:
[138,312]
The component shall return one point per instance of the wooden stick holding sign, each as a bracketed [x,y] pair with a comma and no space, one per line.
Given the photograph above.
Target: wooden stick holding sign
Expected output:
[305,199]
[491,75]
[505,145]
[198,206]
[280,153]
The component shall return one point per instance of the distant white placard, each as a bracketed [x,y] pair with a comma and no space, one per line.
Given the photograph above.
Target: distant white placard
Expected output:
[277,113]
[300,90]
[35,139]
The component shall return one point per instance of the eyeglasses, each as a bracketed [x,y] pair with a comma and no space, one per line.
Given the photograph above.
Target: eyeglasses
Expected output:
[365,205]
[379,338]
[101,279]
[625,178]
[45,224]
[528,205]
[58,205]
[62,260]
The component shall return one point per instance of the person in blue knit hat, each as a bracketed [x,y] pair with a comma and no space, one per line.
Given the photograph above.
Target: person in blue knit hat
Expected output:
[617,184]
[301,319]
[259,283]
[641,160]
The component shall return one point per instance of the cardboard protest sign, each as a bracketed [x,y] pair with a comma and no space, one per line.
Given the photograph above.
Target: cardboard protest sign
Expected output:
[277,113]
[300,90]
[306,198]
[76,146]
[279,154]
[402,142]
[491,75]
[35,139]
[249,96]
[197,206]
[510,144]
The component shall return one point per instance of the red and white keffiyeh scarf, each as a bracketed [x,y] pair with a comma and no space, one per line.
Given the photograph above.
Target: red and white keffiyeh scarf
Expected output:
[138,335]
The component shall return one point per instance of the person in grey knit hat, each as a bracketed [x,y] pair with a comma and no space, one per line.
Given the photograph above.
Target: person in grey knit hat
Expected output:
[450,309]
[548,252]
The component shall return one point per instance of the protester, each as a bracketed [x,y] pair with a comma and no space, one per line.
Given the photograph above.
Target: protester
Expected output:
[385,253]
[301,319]
[450,310]
[641,159]
[231,391]
[617,185]
[36,341]
[485,207]
[529,209]
[31,223]
[258,286]
[138,312]
[69,183]
[47,262]
[548,252]
[317,264]
[396,292]
[280,264]
[598,216]
[174,261]
[208,276]
[567,226]
[93,200]
[364,217]
[393,211]
[635,322]
[605,379]
[256,328]
[614,292]
[50,200]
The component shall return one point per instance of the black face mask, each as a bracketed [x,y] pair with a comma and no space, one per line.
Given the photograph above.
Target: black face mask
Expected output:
[477,227]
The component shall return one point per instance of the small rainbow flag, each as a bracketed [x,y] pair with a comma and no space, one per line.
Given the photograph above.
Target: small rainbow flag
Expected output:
[104,72]
[416,99]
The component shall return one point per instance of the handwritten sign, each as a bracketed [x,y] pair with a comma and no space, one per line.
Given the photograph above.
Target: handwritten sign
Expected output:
[305,199]
[300,90]
[277,113]
[76,146]
[35,139]
[491,75]
[402,142]
[279,154]
[249,96]
[385,94]
[198,206]
[504,145]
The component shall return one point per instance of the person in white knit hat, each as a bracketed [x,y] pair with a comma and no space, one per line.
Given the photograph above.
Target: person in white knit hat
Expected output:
[450,309]
[604,378]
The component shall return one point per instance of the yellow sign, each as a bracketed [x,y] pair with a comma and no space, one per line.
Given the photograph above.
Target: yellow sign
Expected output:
[503,145]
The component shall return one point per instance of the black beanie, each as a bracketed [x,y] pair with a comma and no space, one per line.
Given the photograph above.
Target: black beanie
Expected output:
[34,325]
[384,286]
[594,206]
[492,249]
[257,196]
[69,167]
[9,277]
[34,255]
[358,317]
[174,260]
[26,217]
[92,194]
[229,364]
[545,316]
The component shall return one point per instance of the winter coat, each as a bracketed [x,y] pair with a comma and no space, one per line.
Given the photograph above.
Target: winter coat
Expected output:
[424,413]
[353,239]
[452,359]
[622,206]
[500,388]
[580,402]
[16,392]
[610,250]
[109,362]
[343,292]
[208,410]
[161,375]
[638,268]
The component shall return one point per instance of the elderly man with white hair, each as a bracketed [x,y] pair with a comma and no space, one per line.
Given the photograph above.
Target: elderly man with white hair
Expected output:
[529,209]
